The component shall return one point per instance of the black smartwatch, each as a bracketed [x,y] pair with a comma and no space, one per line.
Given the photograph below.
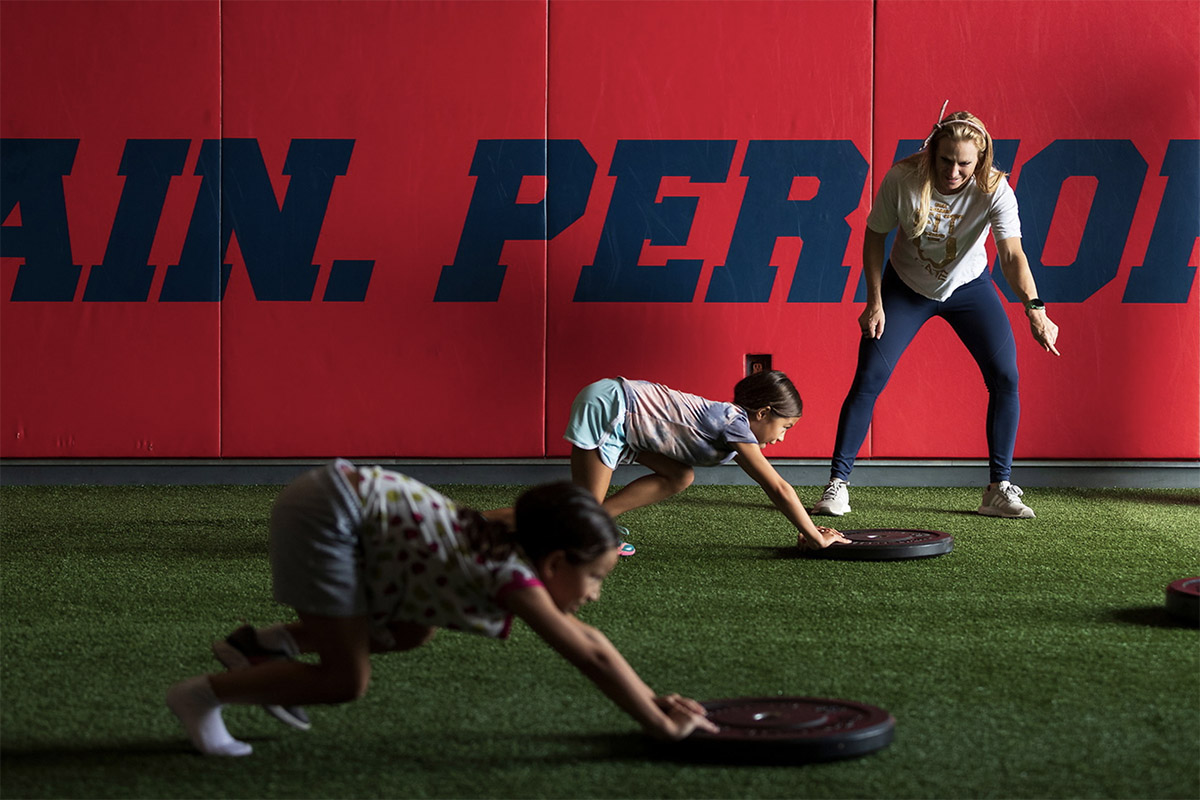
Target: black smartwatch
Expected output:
[1034,305]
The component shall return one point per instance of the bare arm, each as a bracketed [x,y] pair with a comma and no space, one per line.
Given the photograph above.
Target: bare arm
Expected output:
[590,651]
[504,515]
[750,458]
[1015,267]
[871,320]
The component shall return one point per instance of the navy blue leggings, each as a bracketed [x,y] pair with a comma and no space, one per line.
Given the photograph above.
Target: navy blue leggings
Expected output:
[975,313]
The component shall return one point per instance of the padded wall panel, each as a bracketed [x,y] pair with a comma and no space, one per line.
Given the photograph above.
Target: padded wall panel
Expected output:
[379,106]
[430,207]
[1094,95]
[760,111]
[104,108]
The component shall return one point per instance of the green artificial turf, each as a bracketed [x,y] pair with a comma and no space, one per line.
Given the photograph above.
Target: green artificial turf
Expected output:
[1034,661]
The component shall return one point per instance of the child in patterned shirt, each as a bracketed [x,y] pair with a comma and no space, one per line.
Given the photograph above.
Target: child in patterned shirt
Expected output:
[373,561]
[616,420]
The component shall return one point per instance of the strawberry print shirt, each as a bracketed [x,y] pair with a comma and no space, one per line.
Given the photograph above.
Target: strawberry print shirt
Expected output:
[420,566]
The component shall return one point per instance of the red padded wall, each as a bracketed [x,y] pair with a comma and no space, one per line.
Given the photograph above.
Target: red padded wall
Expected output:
[711,71]
[80,379]
[1128,382]
[415,85]
[384,169]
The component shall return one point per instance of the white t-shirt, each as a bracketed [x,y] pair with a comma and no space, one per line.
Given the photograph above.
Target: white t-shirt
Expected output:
[951,251]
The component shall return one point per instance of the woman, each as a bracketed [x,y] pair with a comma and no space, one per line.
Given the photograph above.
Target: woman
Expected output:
[944,198]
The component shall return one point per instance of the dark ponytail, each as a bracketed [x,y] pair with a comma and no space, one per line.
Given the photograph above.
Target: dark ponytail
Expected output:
[563,516]
[773,390]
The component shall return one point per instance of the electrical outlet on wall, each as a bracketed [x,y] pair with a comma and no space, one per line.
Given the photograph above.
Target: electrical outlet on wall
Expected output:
[760,362]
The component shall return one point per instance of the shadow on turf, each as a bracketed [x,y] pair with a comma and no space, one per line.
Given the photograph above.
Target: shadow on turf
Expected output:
[1147,616]
[698,500]
[883,507]
[104,755]
[639,747]
[627,747]
[1147,496]
[794,553]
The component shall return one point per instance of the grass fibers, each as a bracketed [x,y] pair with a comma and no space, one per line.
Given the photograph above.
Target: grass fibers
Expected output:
[1034,661]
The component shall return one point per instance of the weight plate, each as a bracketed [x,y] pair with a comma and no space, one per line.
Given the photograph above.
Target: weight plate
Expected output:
[789,729]
[1183,599]
[884,544]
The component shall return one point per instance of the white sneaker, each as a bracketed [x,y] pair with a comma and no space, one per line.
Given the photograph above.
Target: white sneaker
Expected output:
[835,501]
[1005,501]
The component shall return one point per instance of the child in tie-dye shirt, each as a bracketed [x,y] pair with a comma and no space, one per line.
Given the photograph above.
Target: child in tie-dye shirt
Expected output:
[616,420]
[374,561]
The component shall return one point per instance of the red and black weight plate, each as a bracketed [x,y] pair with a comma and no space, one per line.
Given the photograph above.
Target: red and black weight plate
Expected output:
[885,544]
[1183,599]
[790,729]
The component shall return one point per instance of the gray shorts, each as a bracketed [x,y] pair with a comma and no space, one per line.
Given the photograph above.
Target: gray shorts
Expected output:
[316,559]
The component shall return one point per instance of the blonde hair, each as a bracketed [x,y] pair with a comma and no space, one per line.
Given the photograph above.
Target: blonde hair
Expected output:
[961,126]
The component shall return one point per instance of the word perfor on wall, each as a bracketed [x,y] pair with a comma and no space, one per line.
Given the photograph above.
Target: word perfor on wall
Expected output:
[241,229]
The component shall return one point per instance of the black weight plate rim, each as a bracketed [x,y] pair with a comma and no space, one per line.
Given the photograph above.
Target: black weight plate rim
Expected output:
[779,751]
[939,544]
[874,730]
[1188,587]
[1183,599]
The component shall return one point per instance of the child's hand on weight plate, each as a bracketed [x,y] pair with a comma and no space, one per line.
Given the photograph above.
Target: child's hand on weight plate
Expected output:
[824,538]
[686,714]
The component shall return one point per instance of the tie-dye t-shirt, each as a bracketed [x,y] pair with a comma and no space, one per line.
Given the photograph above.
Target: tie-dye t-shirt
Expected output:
[420,566]
[682,426]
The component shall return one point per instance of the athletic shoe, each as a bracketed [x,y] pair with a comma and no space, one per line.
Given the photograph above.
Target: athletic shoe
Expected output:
[1005,501]
[240,650]
[835,500]
[625,549]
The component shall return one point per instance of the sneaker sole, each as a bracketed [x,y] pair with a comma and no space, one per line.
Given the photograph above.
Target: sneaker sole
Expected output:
[232,659]
[823,511]
[988,511]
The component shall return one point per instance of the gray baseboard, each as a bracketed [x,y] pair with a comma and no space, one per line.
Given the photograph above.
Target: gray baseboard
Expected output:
[799,472]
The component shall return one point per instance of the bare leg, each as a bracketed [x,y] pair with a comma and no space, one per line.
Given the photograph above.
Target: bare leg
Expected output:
[409,635]
[341,676]
[670,478]
[588,471]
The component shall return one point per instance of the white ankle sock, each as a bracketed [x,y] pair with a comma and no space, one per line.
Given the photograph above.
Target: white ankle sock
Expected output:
[277,637]
[199,710]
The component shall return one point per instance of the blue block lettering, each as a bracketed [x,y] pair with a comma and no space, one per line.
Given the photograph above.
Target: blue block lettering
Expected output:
[1164,276]
[1120,171]
[495,217]
[767,214]
[277,242]
[196,278]
[31,172]
[348,281]
[126,274]
[635,217]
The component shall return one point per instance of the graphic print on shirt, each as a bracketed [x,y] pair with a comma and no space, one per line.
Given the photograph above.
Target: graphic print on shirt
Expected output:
[420,565]
[939,212]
